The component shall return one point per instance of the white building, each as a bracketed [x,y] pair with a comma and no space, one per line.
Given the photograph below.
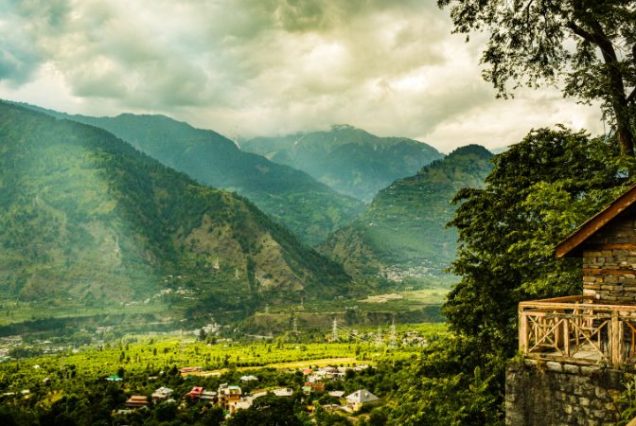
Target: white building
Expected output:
[361,398]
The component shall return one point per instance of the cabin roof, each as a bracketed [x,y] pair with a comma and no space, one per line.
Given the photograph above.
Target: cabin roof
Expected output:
[570,245]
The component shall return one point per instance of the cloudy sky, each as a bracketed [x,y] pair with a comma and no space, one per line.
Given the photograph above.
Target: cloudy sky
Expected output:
[266,67]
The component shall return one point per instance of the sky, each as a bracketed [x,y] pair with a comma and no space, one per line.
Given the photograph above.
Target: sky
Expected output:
[270,67]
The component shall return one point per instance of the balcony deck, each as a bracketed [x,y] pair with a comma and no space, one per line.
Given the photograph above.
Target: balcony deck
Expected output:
[578,329]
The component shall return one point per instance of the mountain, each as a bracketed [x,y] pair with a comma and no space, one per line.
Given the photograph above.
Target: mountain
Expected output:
[349,160]
[308,208]
[86,217]
[403,232]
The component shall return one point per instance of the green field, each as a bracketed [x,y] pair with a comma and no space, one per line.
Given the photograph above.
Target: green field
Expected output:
[72,384]
[14,312]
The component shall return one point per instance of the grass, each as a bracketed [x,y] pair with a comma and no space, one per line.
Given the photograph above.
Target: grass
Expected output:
[15,312]
[151,354]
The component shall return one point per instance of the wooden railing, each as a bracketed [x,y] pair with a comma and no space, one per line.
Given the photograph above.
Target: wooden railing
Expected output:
[574,328]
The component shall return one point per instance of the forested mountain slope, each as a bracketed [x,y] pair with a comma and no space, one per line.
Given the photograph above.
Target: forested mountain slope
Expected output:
[84,216]
[403,233]
[307,207]
[349,160]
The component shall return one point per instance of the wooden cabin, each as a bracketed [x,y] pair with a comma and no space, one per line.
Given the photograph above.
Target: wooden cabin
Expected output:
[598,326]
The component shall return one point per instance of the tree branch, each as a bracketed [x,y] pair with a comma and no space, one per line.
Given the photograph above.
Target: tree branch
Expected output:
[579,31]
[632,96]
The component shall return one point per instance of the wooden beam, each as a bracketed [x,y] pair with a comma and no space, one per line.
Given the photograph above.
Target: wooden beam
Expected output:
[594,224]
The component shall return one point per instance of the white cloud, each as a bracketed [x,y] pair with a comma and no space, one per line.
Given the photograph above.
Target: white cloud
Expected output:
[249,67]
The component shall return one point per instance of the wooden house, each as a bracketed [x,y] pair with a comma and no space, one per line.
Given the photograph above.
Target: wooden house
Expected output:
[598,326]
[137,401]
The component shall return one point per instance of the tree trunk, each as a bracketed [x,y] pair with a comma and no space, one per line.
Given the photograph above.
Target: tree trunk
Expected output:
[617,96]
[616,88]
[625,137]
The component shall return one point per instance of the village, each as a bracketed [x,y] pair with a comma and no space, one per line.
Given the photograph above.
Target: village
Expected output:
[319,383]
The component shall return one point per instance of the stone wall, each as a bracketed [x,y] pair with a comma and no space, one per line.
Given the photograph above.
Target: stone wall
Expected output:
[555,393]
[609,262]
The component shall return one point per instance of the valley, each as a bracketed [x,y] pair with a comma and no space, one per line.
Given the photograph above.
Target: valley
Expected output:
[313,376]
[125,255]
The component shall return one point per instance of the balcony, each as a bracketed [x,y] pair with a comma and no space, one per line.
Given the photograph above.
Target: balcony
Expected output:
[576,329]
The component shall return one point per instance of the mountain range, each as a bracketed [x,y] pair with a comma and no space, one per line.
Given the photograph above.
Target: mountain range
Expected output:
[307,207]
[403,233]
[349,160]
[85,216]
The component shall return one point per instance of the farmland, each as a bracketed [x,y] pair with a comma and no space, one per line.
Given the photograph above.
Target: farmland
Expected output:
[75,379]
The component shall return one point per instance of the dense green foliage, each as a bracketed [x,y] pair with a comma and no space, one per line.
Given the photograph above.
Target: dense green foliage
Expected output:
[349,160]
[403,233]
[537,193]
[308,208]
[85,217]
[586,46]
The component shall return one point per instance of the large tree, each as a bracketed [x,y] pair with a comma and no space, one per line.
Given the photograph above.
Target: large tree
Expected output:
[588,47]
[538,191]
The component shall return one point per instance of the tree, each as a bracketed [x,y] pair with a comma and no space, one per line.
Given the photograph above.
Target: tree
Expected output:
[586,46]
[267,411]
[537,193]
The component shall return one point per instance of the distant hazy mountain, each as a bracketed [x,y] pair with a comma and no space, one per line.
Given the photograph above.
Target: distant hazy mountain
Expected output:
[403,233]
[500,149]
[308,208]
[85,216]
[349,160]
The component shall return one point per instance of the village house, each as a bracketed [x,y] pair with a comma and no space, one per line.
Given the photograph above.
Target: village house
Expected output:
[210,396]
[161,394]
[195,392]
[361,398]
[282,392]
[228,395]
[137,401]
[248,379]
[314,387]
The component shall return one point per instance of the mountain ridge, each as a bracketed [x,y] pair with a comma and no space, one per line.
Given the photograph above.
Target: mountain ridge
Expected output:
[307,207]
[351,161]
[403,233]
[85,215]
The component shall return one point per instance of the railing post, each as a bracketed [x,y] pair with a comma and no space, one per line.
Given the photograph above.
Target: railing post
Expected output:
[566,337]
[523,331]
[616,337]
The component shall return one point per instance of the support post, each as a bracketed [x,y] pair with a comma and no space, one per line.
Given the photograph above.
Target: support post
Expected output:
[616,337]
[566,337]
[523,331]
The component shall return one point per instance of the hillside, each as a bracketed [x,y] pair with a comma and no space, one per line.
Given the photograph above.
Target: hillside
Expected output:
[308,208]
[85,217]
[349,160]
[403,233]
